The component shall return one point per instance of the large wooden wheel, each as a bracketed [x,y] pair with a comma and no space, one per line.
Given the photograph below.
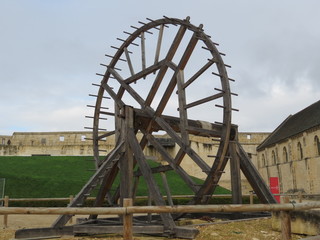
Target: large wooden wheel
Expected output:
[170,72]
[167,76]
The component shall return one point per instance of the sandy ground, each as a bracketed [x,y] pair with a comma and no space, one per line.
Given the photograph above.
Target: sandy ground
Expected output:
[246,230]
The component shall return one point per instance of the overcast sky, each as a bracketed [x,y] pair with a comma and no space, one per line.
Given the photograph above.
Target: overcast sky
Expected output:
[51,50]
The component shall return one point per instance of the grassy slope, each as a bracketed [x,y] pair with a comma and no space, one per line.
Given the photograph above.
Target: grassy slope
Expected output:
[43,176]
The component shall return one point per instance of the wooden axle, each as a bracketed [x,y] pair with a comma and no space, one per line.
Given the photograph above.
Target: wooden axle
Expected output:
[195,127]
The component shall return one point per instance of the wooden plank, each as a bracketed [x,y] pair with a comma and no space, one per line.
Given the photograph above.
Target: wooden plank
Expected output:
[182,63]
[213,177]
[173,48]
[183,116]
[195,127]
[188,52]
[198,74]
[143,51]
[191,153]
[204,100]
[126,163]
[149,229]
[129,61]
[147,174]
[145,72]
[127,87]
[159,169]
[186,232]
[254,177]
[170,160]
[108,134]
[88,187]
[158,48]
[114,96]
[166,187]
[43,232]
[235,174]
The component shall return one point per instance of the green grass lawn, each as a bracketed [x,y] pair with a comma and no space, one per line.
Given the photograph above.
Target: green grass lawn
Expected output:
[48,176]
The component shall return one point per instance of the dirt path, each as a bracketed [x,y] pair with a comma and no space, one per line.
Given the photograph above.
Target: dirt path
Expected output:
[244,230]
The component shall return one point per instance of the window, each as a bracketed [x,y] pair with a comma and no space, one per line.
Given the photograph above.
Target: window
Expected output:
[43,141]
[3,141]
[300,151]
[83,138]
[317,145]
[61,138]
[273,156]
[285,155]
[248,136]
[263,160]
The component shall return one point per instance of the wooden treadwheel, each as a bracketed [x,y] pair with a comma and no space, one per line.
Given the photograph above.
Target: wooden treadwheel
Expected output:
[167,77]
[169,71]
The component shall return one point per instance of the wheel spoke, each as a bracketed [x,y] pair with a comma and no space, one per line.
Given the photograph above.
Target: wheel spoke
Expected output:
[197,74]
[204,100]
[156,58]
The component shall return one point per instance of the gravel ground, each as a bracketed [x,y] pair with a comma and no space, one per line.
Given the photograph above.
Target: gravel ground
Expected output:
[244,230]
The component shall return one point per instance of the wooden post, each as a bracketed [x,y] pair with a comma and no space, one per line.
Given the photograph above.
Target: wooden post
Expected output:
[126,161]
[285,221]
[5,216]
[235,174]
[70,201]
[251,197]
[127,221]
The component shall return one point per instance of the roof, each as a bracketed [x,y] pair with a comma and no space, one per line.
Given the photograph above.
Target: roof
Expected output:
[293,125]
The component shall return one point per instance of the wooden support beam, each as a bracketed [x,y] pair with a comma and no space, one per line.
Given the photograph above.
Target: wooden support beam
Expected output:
[126,162]
[254,177]
[191,153]
[156,58]
[145,72]
[114,96]
[183,116]
[195,127]
[126,52]
[89,186]
[143,51]
[198,74]
[188,180]
[166,187]
[235,174]
[204,100]
[108,134]
[147,174]
[173,48]
[159,169]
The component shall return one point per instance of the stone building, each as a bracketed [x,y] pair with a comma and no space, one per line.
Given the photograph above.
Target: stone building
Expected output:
[77,144]
[292,152]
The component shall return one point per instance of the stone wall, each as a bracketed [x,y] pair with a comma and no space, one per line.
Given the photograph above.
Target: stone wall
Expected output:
[295,161]
[75,143]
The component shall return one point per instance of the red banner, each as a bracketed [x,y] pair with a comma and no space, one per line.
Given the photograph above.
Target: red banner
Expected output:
[274,187]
